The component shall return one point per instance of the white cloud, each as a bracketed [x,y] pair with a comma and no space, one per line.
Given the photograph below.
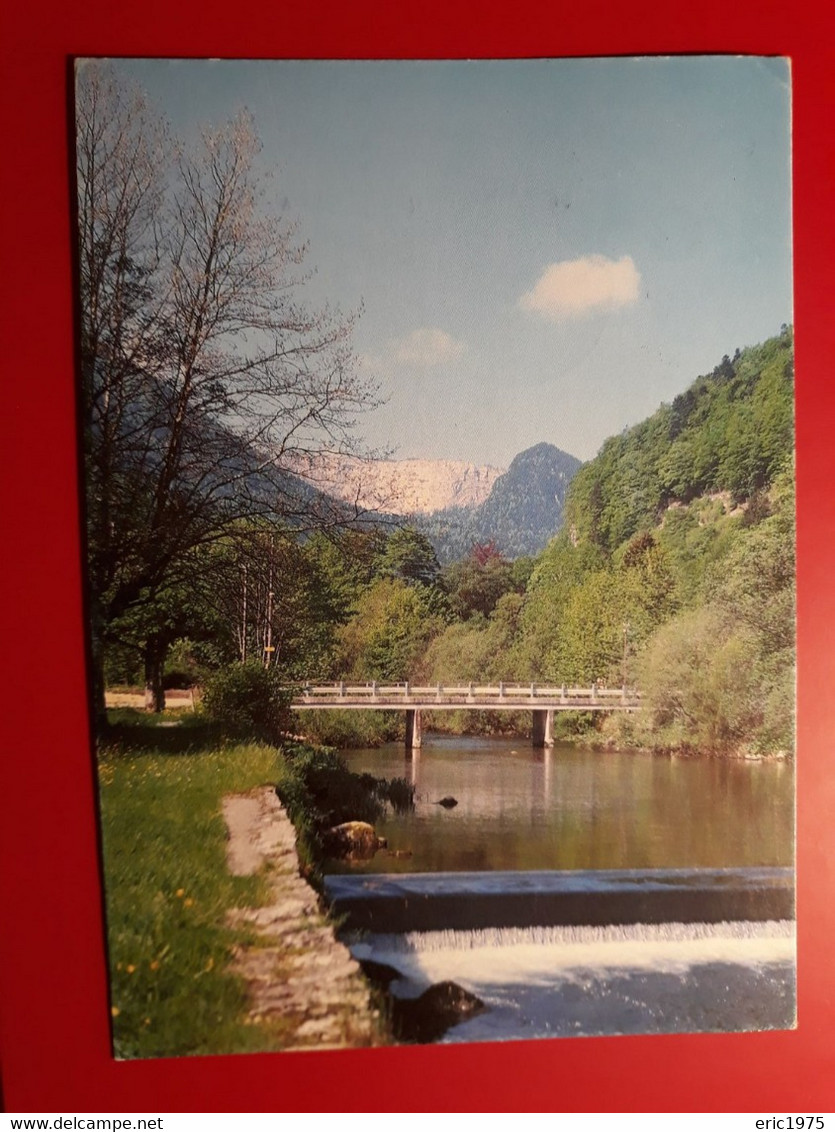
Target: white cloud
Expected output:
[576,286]
[427,347]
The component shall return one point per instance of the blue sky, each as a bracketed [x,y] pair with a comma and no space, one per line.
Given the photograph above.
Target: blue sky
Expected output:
[544,250]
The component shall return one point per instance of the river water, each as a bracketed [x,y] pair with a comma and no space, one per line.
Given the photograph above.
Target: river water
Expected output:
[574,809]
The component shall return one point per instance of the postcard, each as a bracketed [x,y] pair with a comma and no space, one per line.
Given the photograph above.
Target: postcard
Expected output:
[438,433]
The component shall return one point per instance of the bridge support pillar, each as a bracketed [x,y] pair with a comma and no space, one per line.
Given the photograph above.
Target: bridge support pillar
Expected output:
[543,727]
[413,732]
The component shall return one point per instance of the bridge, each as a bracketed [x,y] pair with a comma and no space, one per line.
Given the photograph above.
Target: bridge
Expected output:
[540,699]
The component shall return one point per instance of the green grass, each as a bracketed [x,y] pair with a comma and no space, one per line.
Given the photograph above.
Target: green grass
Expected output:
[173,731]
[167,888]
[168,891]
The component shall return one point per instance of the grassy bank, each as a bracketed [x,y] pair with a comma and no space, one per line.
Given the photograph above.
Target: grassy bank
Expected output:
[167,887]
[168,891]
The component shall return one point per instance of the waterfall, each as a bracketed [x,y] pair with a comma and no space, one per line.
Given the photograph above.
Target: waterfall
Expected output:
[619,979]
[492,956]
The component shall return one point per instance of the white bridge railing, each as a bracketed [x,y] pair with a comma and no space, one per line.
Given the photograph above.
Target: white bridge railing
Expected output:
[503,696]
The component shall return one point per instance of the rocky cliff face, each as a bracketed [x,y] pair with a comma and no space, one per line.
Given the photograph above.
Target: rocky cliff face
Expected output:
[403,487]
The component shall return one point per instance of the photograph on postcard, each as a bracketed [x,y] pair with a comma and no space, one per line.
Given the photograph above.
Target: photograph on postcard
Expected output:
[437,423]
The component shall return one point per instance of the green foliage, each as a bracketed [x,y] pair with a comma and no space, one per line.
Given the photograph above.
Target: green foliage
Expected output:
[137,644]
[461,653]
[477,650]
[347,730]
[183,667]
[699,676]
[557,572]
[695,538]
[247,700]
[475,587]
[593,634]
[754,583]
[730,431]
[572,725]
[387,637]
[272,590]
[677,566]
[410,556]
[721,675]
[320,792]
[347,562]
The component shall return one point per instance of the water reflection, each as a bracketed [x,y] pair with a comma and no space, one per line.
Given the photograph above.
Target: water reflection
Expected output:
[568,808]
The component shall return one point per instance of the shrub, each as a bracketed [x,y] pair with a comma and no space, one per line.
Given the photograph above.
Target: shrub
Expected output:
[247,701]
[319,791]
[350,729]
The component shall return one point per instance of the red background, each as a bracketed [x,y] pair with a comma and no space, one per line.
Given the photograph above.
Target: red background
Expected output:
[55,1041]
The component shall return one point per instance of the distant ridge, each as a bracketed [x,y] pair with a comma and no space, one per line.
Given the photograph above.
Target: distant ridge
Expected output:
[402,487]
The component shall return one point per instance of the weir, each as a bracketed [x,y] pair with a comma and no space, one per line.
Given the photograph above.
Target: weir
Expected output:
[571,981]
[662,936]
[422,902]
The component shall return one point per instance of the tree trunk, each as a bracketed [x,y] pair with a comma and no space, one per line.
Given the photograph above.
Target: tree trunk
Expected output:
[154,661]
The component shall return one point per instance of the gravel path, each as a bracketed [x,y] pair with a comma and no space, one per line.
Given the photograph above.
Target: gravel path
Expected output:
[298,974]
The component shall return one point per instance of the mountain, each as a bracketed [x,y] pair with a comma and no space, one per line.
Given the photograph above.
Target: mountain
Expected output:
[403,487]
[523,511]
[455,504]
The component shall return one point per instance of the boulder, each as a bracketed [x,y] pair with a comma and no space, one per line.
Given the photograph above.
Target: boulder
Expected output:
[428,1017]
[353,839]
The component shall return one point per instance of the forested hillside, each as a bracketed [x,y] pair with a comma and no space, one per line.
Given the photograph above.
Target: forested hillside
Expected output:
[523,511]
[674,572]
[730,431]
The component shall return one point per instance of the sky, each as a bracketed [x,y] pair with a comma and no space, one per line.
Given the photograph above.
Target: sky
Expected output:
[543,250]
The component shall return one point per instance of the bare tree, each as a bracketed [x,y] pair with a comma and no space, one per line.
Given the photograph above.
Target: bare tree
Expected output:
[205,379]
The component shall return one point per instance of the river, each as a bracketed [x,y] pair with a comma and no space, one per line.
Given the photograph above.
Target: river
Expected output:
[571,809]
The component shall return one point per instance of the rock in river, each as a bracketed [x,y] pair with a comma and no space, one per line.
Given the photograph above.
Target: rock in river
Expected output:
[427,1018]
[353,839]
